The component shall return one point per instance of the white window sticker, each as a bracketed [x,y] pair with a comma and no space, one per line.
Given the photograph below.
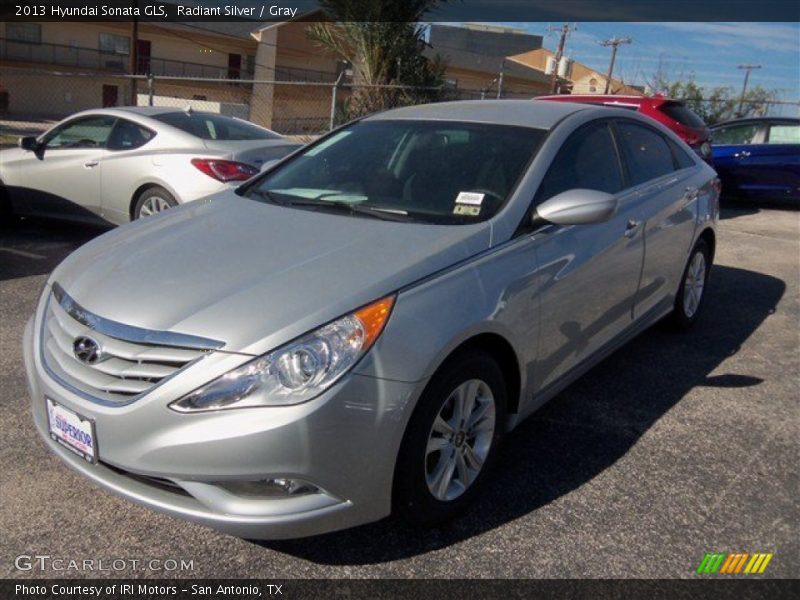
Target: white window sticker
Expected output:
[471,198]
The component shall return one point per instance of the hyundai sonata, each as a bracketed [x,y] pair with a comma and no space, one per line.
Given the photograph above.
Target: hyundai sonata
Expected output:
[355,330]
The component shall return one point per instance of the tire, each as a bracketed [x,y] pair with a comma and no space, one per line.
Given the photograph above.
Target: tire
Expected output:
[153,200]
[7,216]
[416,472]
[688,307]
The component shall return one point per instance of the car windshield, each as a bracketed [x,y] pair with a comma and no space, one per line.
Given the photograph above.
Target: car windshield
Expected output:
[682,114]
[209,126]
[426,171]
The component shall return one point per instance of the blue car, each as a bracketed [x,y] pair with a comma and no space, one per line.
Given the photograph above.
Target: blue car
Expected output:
[758,158]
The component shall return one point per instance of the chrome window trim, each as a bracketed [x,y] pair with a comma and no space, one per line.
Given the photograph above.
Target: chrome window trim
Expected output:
[129,333]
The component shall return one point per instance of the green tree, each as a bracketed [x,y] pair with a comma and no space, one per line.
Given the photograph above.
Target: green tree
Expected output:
[713,104]
[384,45]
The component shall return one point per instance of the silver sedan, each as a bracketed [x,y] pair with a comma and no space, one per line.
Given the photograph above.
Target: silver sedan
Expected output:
[120,164]
[356,330]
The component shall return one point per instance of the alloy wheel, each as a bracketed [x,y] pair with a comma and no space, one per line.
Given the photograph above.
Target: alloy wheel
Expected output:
[153,205]
[693,284]
[460,440]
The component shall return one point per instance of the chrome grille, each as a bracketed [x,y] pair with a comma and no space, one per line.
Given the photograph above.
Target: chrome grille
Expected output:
[133,360]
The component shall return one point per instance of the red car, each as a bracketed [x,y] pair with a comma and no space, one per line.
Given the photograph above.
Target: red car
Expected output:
[670,113]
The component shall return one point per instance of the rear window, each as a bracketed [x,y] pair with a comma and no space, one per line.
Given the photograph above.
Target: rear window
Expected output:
[682,114]
[209,126]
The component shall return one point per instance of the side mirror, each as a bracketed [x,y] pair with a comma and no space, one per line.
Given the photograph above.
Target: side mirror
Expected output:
[576,207]
[29,143]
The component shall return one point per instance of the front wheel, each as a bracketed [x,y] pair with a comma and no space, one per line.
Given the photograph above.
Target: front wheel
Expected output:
[452,439]
[692,292]
[153,201]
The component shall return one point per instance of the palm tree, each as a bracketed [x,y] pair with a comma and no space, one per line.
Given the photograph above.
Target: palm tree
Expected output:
[384,44]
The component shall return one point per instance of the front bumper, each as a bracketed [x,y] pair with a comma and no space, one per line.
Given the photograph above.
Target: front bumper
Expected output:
[345,442]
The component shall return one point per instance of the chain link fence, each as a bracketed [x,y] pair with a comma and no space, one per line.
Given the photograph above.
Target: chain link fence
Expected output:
[296,108]
[299,108]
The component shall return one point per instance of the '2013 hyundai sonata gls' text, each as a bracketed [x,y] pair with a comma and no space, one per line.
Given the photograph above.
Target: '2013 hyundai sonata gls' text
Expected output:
[355,330]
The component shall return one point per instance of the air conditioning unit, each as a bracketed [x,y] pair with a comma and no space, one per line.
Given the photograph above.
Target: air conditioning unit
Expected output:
[550,66]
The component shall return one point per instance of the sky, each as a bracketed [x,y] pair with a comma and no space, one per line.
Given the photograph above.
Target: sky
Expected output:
[709,51]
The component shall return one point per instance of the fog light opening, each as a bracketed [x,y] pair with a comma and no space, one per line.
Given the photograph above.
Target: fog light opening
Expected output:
[275,487]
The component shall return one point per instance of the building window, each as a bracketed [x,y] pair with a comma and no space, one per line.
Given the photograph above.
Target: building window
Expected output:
[30,33]
[115,44]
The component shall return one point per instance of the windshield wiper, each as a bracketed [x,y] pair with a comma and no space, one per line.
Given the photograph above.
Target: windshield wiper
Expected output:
[385,214]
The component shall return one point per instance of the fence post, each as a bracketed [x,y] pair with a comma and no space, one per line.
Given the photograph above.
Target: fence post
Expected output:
[150,88]
[332,123]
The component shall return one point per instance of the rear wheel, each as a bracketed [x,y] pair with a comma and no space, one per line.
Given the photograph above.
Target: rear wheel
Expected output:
[6,213]
[152,201]
[451,442]
[691,294]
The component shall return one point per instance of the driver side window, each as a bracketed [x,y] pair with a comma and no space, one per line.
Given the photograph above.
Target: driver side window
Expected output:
[85,132]
[587,160]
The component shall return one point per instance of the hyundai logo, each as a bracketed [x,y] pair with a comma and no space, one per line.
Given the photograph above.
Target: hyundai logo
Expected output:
[87,350]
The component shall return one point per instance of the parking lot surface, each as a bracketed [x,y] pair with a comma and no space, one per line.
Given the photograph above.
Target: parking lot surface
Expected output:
[675,446]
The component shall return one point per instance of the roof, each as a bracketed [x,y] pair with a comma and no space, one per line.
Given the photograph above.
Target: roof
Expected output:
[146,111]
[745,120]
[541,115]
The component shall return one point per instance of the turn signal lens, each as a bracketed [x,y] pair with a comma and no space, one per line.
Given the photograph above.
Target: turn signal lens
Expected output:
[373,318]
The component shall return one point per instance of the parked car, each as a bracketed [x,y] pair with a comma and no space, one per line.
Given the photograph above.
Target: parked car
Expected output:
[356,329]
[758,158]
[120,164]
[673,114]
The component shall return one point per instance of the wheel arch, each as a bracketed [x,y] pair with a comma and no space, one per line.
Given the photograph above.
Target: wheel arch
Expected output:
[144,187]
[710,238]
[502,351]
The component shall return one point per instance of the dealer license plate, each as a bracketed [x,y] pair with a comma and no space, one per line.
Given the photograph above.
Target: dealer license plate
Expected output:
[72,430]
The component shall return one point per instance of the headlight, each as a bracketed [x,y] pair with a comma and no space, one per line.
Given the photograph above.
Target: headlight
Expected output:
[705,150]
[298,371]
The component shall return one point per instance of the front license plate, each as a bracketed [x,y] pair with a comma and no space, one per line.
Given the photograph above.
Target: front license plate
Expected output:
[72,431]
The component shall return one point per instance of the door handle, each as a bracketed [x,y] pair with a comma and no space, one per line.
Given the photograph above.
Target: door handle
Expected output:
[691,193]
[630,228]
[742,154]
[91,163]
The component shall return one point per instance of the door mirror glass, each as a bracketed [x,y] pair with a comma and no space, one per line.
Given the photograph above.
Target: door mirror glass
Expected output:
[576,207]
[29,143]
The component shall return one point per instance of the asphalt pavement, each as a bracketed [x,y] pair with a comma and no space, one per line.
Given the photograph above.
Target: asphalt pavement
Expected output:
[674,446]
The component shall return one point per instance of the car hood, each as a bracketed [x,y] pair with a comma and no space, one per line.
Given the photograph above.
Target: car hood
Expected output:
[253,152]
[254,275]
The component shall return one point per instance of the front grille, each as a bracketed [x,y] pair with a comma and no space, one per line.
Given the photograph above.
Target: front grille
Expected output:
[127,368]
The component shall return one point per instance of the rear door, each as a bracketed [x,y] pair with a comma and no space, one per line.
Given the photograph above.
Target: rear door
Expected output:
[591,272]
[663,177]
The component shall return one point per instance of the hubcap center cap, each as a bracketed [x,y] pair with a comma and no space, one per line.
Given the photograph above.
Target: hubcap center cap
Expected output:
[459,438]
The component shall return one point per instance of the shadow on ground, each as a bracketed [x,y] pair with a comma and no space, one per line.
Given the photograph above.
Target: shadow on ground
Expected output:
[584,430]
[35,247]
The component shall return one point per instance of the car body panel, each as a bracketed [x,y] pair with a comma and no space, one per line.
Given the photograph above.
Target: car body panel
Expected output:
[255,276]
[759,170]
[57,182]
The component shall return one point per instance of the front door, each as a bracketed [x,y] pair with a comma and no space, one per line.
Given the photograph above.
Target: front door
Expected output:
[64,177]
[234,66]
[590,273]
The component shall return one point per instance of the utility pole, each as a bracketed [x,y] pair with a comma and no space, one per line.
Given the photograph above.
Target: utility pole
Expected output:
[615,43]
[134,66]
[747,69]
[562,40]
